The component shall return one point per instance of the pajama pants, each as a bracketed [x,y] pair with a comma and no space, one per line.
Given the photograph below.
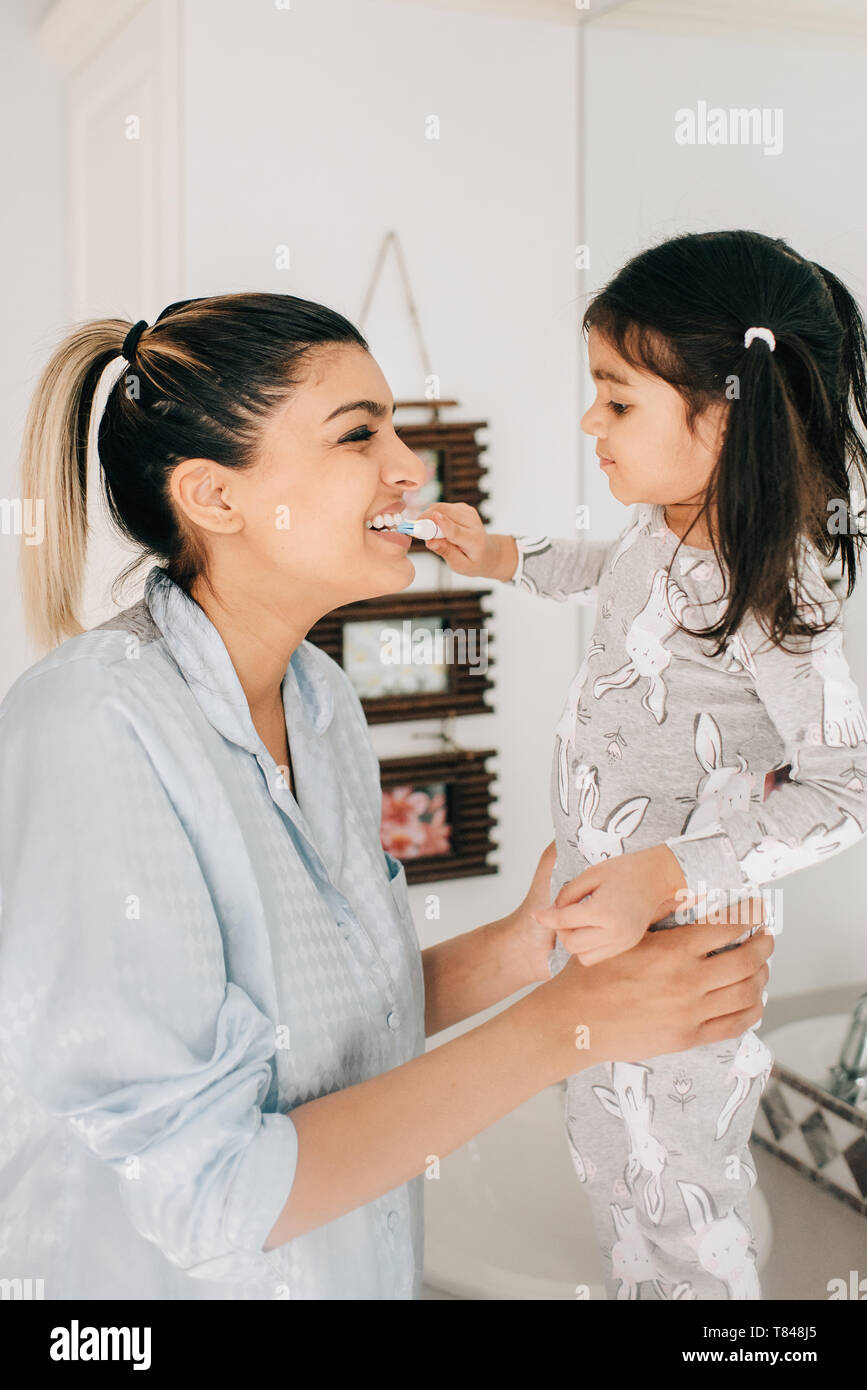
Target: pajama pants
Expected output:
[662,1148]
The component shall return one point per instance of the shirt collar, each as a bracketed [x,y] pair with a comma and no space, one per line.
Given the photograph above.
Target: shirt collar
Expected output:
[200,653]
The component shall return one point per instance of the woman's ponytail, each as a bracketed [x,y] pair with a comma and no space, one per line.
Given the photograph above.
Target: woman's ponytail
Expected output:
[54,474]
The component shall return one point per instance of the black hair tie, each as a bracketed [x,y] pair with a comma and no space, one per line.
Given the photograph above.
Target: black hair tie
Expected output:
[130,342]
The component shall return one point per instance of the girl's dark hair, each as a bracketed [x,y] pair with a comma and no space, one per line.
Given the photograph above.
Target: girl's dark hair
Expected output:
[205,376]
[680,310]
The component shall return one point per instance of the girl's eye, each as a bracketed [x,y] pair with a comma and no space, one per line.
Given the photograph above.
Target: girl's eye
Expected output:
[358,436]
[618,408]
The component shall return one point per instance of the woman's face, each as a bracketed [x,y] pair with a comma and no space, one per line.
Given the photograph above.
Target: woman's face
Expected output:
[640,424]
[329,460]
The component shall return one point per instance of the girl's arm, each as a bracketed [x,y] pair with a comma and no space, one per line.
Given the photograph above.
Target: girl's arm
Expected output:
[556,569]
[811,699]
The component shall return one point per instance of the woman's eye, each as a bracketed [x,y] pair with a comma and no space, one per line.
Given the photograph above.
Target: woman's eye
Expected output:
[618,408]
[358,435]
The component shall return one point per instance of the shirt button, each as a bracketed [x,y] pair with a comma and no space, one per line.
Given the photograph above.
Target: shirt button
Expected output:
[393,1220]
[393,1020]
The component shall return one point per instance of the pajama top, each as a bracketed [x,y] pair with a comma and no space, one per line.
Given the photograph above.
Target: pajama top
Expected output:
[186,954]
[660,742]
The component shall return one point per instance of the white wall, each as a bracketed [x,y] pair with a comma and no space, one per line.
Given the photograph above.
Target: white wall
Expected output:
[640,187]
[307,127]
[35,279]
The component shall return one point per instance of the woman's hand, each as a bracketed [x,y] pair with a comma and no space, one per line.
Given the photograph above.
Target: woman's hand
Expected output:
[607,909]
[529,940]
[667,994]
[467,548]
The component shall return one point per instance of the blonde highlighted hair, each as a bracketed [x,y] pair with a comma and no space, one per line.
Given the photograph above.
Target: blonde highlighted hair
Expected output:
[54,472]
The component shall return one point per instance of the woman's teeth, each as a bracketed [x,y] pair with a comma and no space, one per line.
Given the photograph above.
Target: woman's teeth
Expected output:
[383,520]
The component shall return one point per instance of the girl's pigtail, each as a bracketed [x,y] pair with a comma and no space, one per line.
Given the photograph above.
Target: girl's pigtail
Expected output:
[767,449]
[851,409]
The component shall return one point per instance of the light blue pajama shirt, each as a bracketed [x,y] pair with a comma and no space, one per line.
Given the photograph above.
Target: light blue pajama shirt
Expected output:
[185,956]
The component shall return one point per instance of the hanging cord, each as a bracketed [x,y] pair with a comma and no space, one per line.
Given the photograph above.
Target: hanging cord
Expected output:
[391,238]
[444,735]
[448,723]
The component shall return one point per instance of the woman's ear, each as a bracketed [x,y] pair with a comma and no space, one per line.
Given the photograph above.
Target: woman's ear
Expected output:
[200,490]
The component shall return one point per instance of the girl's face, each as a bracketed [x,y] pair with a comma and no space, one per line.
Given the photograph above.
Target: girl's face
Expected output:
[293,525]
[640,424]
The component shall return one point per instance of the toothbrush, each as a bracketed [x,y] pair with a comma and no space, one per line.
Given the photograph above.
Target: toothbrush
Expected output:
[424,530]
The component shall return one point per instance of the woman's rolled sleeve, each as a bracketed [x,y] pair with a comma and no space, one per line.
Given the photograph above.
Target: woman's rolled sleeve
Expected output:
[115,1008]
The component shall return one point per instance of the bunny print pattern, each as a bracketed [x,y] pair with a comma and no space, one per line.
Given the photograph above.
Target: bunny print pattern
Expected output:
[661,741]
[749,765]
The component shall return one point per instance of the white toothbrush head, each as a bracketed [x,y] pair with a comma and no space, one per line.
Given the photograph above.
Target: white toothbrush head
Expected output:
[425,530]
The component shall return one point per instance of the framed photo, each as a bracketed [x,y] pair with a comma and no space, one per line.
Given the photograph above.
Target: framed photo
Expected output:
[452,458]
[364,649]
[436,813]
[415,655]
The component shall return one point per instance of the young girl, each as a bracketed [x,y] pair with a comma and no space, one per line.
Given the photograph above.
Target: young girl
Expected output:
[729,370]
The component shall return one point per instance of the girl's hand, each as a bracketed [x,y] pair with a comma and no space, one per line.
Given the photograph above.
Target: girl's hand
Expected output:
[467,548]
[531,941]
[607,909]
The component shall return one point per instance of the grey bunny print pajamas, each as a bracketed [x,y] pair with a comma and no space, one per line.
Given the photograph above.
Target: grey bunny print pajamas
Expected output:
[660,742]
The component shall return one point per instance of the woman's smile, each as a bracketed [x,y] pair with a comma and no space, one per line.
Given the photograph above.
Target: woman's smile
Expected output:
[395,537]
[382,524]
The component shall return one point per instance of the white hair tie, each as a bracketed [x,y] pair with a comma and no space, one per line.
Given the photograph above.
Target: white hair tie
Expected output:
[764,333]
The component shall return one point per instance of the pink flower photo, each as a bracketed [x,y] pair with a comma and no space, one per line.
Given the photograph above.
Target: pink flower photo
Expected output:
[414,821]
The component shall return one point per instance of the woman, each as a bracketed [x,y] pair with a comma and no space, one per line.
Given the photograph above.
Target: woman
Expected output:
[212,999]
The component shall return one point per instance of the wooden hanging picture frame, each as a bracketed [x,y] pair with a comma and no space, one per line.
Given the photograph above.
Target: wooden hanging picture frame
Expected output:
[452,456]
[436,813]
[413,655]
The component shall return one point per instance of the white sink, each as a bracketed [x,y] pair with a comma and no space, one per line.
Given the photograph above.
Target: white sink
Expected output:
[508,1218]
[811,1046]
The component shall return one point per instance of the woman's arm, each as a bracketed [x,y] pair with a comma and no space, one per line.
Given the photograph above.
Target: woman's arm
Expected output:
[469,973]
[665,995]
